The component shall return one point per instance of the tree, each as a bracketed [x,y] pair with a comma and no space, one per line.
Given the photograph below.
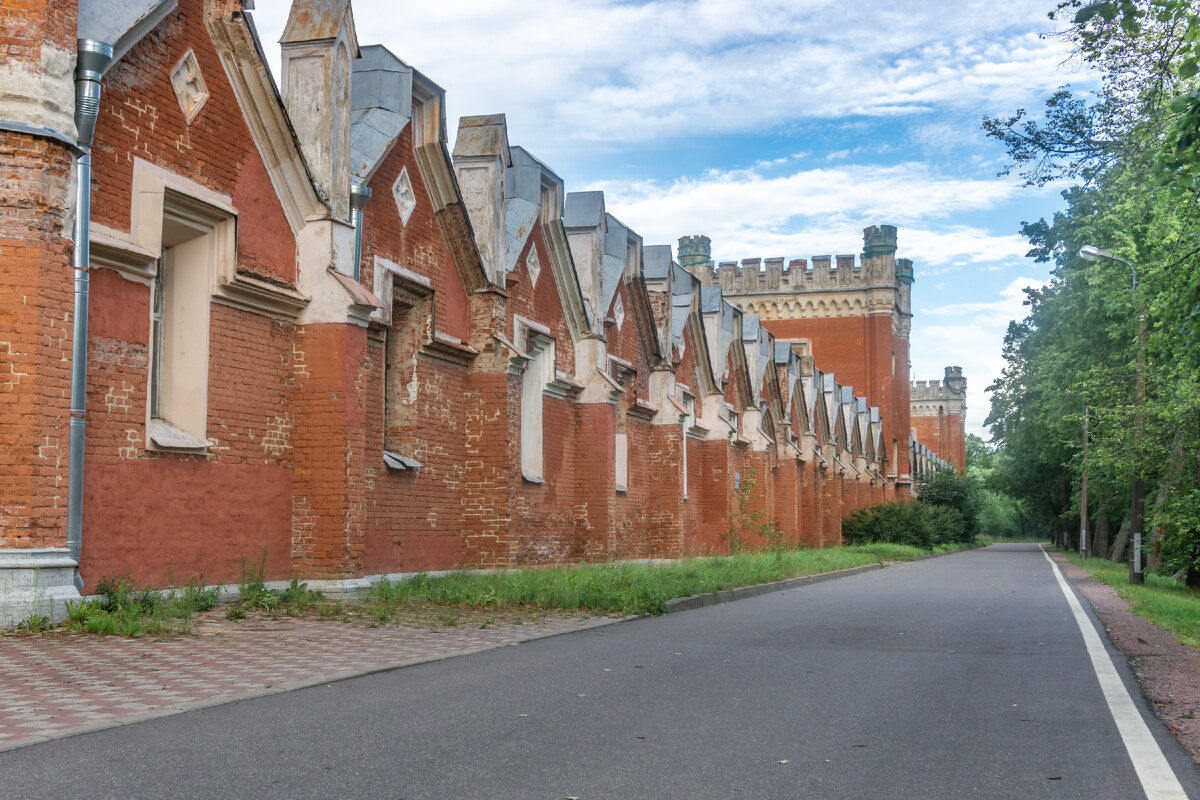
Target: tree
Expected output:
[1133,150]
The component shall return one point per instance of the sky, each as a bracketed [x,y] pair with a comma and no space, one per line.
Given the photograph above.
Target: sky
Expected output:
[775,128]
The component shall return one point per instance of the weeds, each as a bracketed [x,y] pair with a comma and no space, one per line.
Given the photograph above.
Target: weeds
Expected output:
[121,610]
[35,623]
[746,525]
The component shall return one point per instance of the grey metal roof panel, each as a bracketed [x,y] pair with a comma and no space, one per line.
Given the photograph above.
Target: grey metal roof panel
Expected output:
[616,239]
[584,209]
[683,282]
[783,352]
[373,132]
[380,80]
[519,218]
[110,20]
[750,326]
[710,299]
[523,181]
[656,260]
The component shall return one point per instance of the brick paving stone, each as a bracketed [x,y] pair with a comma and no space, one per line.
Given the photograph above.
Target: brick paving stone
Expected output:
[58,685]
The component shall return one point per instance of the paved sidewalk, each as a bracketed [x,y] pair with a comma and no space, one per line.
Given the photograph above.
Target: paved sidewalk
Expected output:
[54,686]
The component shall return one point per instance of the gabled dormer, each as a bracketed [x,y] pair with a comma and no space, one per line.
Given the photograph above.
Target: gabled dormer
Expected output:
[381,107]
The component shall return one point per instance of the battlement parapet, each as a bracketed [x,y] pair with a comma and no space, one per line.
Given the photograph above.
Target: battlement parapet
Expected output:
[951,391]
[779,274]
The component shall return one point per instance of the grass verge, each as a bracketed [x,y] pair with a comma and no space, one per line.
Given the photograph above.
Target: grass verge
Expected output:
[1167,603]
[621,587]
[607,588]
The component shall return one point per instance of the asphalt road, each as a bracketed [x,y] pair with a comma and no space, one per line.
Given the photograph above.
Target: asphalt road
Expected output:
[958,677]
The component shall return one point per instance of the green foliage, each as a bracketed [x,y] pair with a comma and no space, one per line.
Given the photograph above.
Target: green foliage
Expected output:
[34,623]
[748,525]
[1133,149]
[915,524]
[1179,520]
[255,595]
[119,609]
[947,489]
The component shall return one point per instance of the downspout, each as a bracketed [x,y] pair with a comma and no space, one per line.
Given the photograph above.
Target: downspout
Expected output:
[359,195]
[93,58]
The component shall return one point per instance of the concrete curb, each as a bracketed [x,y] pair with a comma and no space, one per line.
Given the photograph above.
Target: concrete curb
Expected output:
[729,595]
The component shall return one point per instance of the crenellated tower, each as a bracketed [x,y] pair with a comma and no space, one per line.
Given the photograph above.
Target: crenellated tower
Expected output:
[939,412]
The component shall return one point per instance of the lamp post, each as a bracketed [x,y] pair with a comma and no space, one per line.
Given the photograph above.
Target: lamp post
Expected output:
[1083,507]
[1137,509]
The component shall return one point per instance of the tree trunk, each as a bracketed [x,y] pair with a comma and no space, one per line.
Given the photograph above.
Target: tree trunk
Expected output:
[1153,551]
[1121,544]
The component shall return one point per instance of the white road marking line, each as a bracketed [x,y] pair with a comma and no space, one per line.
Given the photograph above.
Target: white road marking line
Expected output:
[1158,780]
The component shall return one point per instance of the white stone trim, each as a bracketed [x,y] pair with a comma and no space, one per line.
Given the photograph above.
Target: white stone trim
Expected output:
[36,581]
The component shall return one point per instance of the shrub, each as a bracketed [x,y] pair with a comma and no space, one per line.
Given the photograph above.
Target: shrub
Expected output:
[948,489]
[917,524]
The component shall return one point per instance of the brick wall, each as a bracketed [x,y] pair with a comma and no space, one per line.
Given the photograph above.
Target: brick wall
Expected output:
[36,292]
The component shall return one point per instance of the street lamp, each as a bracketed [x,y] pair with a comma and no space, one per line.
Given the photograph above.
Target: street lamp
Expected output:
[1137,509]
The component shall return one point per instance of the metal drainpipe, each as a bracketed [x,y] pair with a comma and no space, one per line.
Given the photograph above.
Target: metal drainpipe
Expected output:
[94,57]
[359,195]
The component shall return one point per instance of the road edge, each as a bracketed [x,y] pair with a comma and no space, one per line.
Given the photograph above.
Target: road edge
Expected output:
[1162,693]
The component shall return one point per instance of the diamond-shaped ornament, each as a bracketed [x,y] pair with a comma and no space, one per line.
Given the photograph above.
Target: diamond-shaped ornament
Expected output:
[406,199]
[619,312]
[189,86]
[533,266]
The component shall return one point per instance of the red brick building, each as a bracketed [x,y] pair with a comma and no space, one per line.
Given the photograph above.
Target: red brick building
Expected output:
[939,410]
[306,334]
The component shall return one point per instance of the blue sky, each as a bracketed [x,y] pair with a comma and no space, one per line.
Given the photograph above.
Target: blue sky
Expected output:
[775,128]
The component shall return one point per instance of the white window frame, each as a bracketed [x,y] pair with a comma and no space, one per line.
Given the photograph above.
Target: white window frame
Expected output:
[538,374]
[621,462]
[198,246]
[688,400]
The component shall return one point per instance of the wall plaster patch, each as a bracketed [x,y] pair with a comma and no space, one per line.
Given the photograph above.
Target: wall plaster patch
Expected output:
[189,86]
[406,199]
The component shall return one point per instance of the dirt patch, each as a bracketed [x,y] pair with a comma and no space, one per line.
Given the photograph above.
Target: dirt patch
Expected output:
[1169,672]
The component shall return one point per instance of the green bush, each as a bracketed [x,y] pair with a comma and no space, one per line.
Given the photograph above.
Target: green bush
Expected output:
[916,524]
[947,489]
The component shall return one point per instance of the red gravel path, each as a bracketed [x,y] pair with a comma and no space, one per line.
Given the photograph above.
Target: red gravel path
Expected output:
[1168,671]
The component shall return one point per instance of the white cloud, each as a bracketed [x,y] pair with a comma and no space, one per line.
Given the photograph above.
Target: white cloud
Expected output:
[969,335]
[606,70]
[823,210]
